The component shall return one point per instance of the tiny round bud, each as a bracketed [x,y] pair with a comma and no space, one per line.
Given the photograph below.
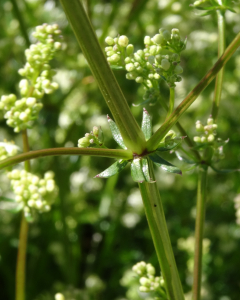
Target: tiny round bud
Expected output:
[210,121]
[210,138]
[166,34]
[109,41]
[158,39]
[123,41]
[147,40]
[130,67]
[59,296]
[114,58]
[165,64]
[178,69]
[139,79]
[197,139]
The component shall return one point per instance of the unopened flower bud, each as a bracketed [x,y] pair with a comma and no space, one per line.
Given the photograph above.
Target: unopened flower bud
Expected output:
[159,39]
[123,41]
[147,40]
[165,64]
[178,69]
[109,41]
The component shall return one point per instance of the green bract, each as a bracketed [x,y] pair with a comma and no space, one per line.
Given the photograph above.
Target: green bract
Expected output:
[140,164]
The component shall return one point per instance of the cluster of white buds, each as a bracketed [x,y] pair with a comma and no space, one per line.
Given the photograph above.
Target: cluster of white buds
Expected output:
[147,279]
[92,139]
[159,59]
[208,137]
[237,208]
[20,113]
[8,149]
[32,192]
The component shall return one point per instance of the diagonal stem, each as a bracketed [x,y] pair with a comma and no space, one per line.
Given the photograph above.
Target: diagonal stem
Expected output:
[128,126]
[153,142]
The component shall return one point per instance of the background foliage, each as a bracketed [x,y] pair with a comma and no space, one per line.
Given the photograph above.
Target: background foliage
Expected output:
[97,229]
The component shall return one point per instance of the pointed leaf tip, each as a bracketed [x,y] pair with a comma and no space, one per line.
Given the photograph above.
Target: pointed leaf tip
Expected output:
[115,168]
[116,133]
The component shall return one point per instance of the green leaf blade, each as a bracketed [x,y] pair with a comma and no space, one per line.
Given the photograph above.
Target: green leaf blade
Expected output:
[115,168]
[136,170]
[146,125]
[116,133]
[165,165]
[145,170]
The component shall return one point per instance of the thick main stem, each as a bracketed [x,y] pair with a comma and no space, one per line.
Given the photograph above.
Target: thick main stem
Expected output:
[201,199]
[131,133]
[22,246]
[158,227]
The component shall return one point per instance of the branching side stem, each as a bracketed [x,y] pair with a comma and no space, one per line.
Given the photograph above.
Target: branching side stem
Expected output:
[153,142]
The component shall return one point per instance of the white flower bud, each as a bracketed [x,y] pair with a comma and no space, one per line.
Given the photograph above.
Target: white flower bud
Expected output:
[139,79]
[147,40]
[130,49]
[109,41]
[158,39]
[31,101]
[130,67]
[123,41]
[59,296]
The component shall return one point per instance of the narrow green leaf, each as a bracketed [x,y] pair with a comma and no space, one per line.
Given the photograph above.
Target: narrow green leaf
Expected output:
[116,133]
[184,159]
[136,170]
[115,168]
[145,170]
[224,171]
[165,165]
[173,143]
[146,125]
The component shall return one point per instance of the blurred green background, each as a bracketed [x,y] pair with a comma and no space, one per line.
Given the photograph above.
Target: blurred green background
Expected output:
[86,245]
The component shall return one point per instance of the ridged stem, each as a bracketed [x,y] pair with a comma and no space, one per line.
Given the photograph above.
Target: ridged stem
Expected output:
[158,228]
[201,200]
[131,133]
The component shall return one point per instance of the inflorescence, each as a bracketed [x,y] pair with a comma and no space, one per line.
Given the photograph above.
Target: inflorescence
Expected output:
[92,139]
[208,138]
[32,192]
[38,79]
[159,59]
[149,283]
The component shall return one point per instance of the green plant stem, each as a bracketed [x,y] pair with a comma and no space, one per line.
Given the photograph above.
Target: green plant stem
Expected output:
[129,128]
[201,199]
[153,142]
[22,247]
[171,101]
[111,153]
[219,78]
[21,260]
[183,132]
[20,19]
[158,227]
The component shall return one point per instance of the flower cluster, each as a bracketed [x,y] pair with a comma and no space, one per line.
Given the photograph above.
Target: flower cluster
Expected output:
[159,59]
[7,149]
[237,207]
[94,138]
[208,137]
[147,279]
[20,113]
[32,192]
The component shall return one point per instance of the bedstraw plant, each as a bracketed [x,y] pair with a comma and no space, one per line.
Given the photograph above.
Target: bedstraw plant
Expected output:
[159,61]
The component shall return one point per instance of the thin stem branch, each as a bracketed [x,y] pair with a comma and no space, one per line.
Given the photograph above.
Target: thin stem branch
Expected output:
[20,18]
[158,227]
[132,135]
[171,101]
[22,247]
[201,200]
[153,142]
[21,260]
[219,78]
[111,153]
